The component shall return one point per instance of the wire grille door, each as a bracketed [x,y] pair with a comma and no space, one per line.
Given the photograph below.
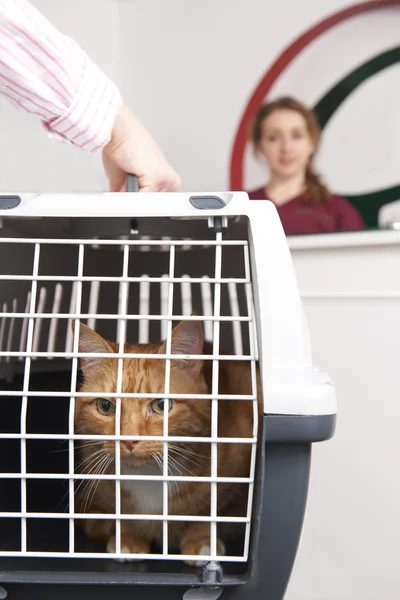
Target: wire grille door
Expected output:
[70,455]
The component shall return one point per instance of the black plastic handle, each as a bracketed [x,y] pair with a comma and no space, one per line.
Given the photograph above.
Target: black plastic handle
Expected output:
[132,183]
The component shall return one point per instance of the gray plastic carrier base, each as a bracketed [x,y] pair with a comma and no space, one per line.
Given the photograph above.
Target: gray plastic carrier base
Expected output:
[279,506]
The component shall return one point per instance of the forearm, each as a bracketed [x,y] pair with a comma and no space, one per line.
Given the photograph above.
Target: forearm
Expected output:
[47,74]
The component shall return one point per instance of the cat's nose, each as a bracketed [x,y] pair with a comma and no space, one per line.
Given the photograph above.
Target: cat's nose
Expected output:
[130,444]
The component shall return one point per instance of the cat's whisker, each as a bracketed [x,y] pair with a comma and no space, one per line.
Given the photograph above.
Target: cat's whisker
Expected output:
[87,459]
[97,470]
[175,482]
[196,463]
[89,463]
[182,468]
[96,467]
[60,444]
[159,461]
[83,482]
[179,466]
[171,473]
[183,483]
[184,449]
[181,452]
[88,443]
[87,499]
[78,445]
[103,468]
[78,466]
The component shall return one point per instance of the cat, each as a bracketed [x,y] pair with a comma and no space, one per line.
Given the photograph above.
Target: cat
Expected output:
[139,416]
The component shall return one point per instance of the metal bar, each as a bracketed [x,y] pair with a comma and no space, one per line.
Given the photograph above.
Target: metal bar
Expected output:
[122,310]
[91,242]
[136,317]
[214,401]
[116,279]
[73,315]
[237,330]
[93,302]
[102,555]
[71,354]
[205,287]
[186,295]
[71,416]
[11,329]
[254,351]
[45,394]
[144,309]
[24,328]
[3,325]
[55,437]
[124,517]
[39,319]
[166,392]
[113,477]
[24,406]
[58,294]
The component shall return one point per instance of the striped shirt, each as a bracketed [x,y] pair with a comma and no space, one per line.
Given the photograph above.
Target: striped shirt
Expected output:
[47,74]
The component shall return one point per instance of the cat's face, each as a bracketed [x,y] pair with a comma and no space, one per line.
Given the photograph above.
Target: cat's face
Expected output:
[144,416]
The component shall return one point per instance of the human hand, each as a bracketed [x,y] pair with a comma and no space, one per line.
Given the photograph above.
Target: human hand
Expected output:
[132,149]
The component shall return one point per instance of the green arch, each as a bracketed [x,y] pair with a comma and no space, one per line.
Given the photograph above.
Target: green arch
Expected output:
[370,203]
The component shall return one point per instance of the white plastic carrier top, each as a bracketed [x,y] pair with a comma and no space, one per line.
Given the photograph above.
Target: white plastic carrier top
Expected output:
[290,384]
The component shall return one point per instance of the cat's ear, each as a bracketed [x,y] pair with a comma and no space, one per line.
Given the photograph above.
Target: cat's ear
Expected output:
[90,341]
[187,338]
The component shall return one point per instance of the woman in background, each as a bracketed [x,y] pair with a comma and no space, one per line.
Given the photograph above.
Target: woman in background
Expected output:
[287,134]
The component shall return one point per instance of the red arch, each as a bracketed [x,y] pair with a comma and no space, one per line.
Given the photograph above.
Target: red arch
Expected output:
[287,56]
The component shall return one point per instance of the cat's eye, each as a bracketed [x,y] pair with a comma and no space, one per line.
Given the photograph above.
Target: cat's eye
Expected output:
[158,406]
[105,407]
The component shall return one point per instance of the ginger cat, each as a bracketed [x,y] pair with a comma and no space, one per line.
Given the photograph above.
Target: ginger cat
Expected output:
[96,416]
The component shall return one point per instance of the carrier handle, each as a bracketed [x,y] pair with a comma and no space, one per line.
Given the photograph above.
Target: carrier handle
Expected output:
[132,183]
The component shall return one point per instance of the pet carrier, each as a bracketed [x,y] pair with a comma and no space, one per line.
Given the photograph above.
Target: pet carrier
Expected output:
[132,267]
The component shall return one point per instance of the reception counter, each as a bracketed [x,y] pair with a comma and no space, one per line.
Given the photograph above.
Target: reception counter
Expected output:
[350,285]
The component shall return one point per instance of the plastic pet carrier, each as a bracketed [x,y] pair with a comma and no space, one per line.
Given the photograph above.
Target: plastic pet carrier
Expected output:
[113,308]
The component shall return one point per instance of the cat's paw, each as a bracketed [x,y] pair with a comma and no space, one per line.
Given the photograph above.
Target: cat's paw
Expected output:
[200,548]
[129,545]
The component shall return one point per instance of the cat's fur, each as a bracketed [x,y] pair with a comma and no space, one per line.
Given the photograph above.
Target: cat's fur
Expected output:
[186,418]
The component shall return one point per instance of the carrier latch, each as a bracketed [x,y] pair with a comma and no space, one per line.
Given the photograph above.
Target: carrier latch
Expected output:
[212,576]
[218,223]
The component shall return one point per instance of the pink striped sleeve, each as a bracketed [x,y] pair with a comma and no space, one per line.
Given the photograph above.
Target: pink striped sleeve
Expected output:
[47,74]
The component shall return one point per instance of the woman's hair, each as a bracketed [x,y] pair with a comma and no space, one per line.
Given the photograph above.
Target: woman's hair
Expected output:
[315,191]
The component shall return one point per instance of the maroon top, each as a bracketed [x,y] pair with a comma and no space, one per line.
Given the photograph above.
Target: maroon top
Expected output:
[298,217]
